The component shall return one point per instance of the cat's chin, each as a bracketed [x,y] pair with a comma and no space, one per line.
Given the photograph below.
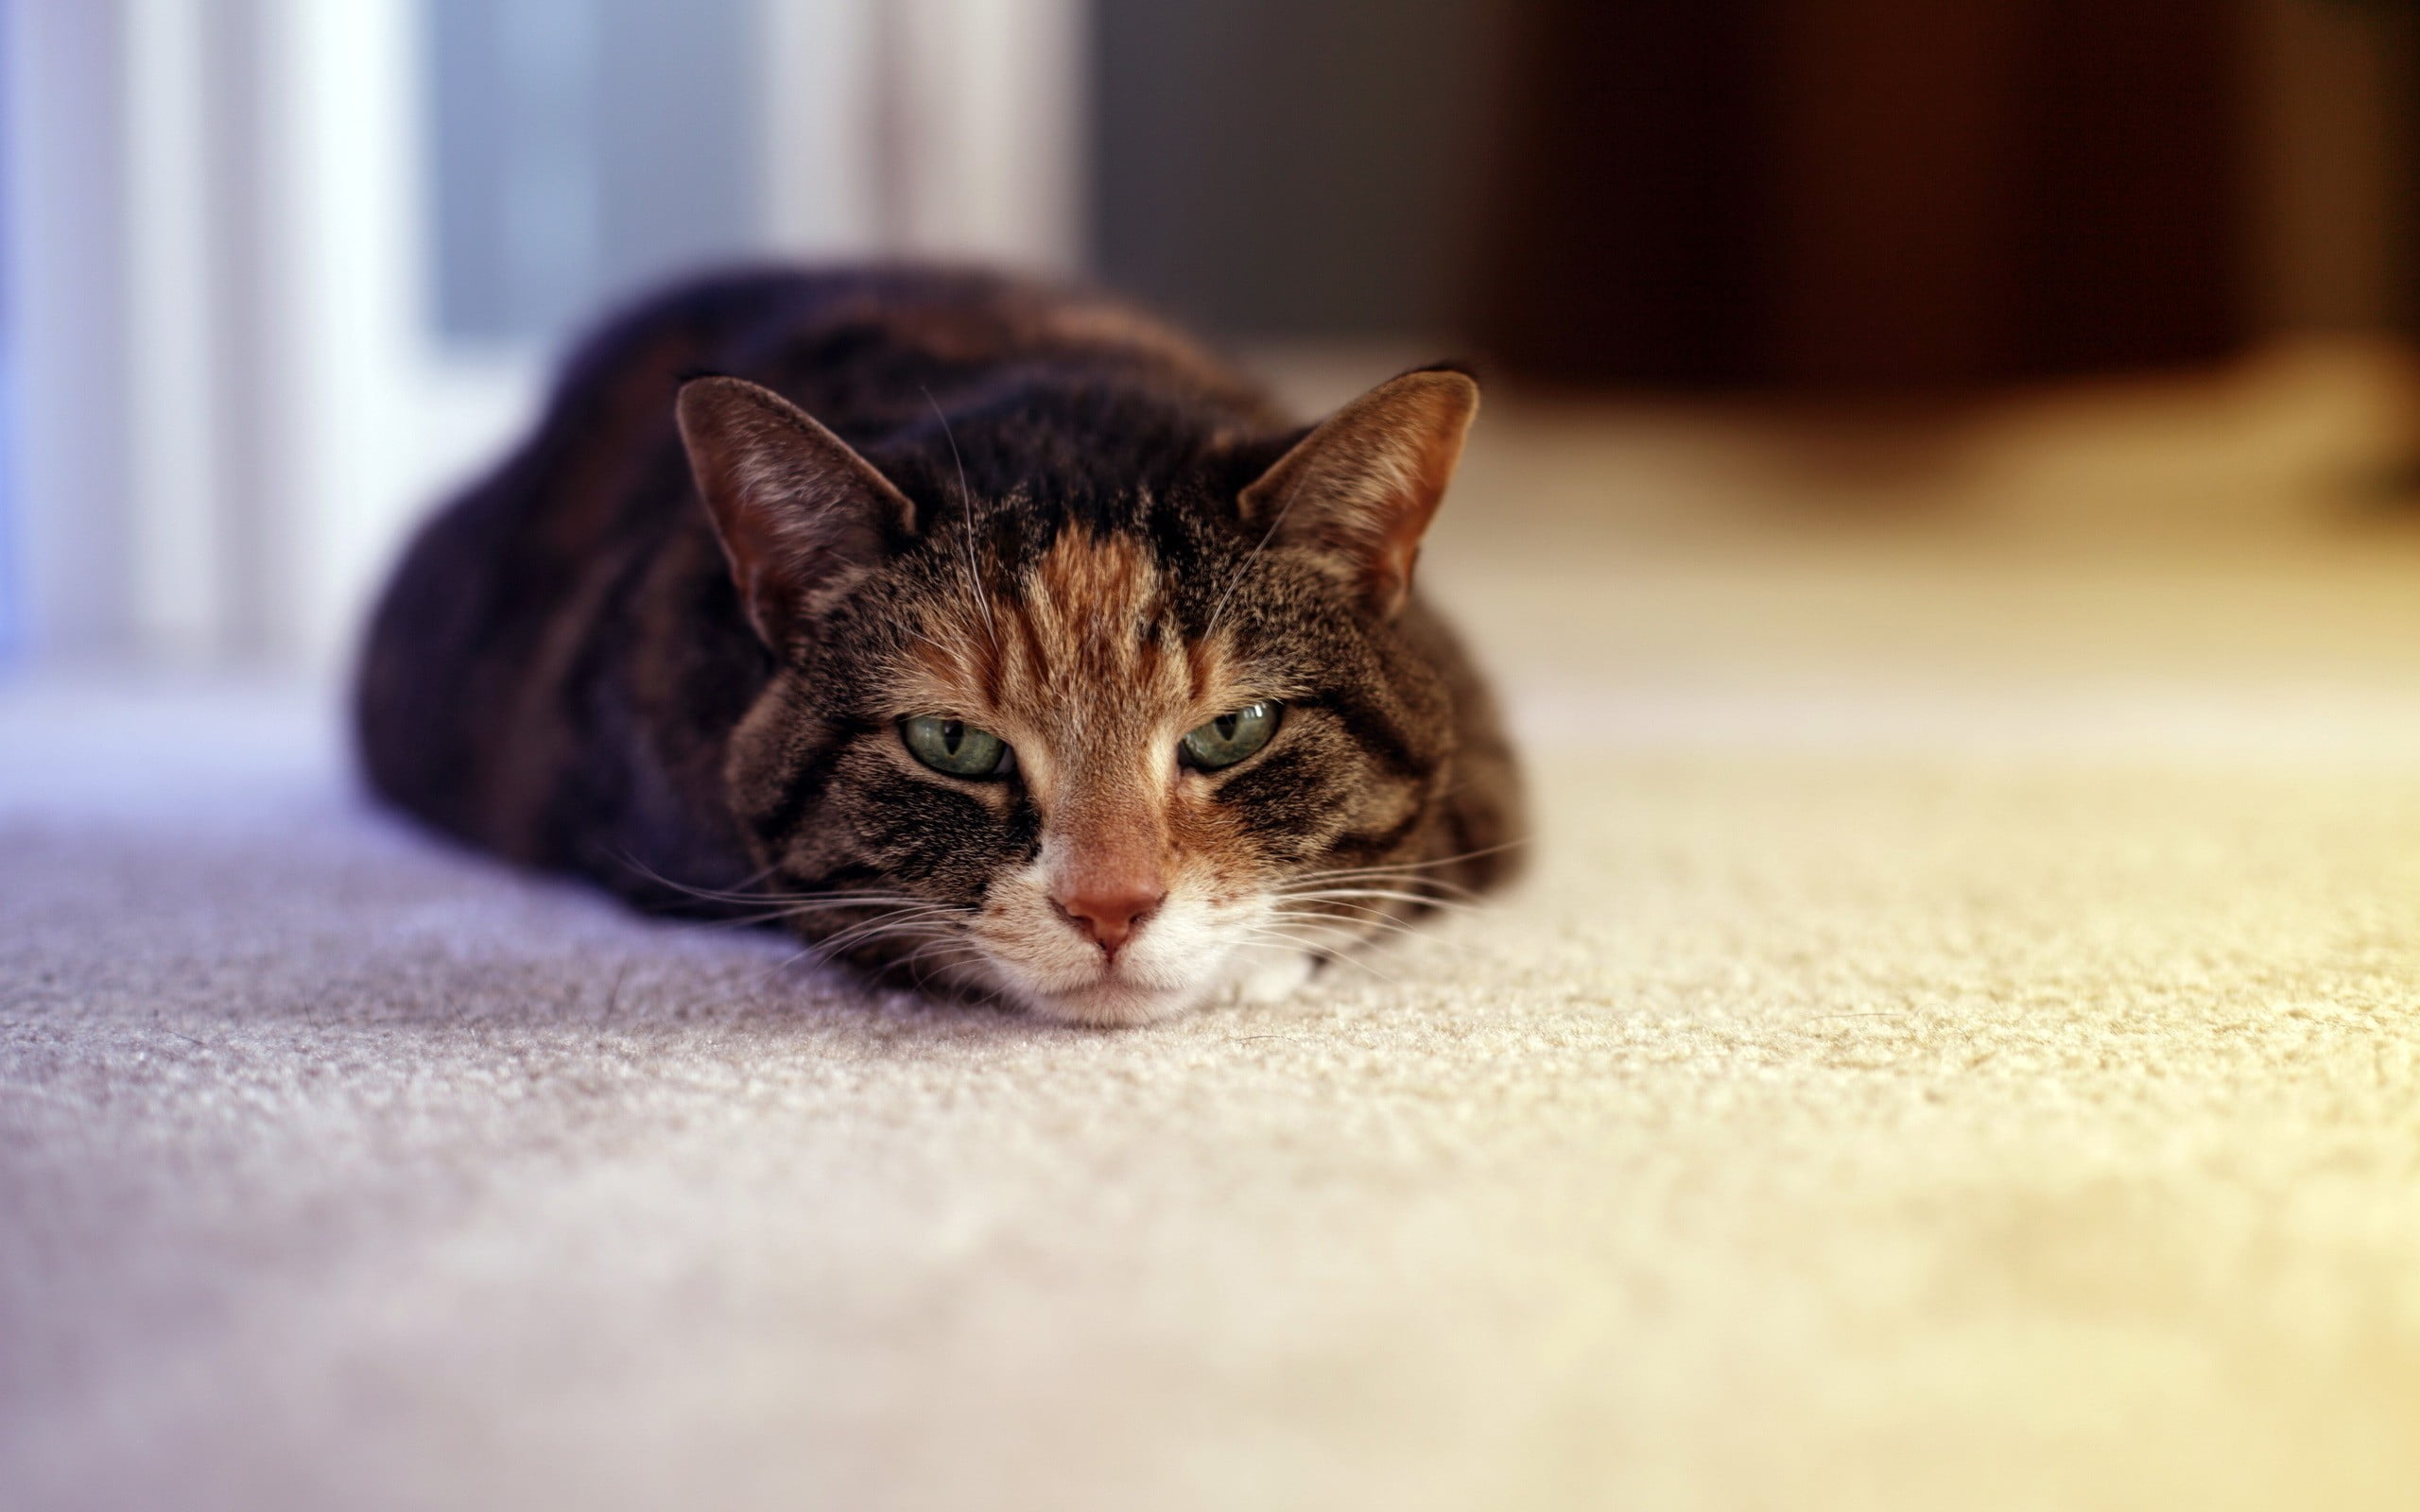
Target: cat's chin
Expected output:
[1110,1005]
[1182,964]
[1251,976]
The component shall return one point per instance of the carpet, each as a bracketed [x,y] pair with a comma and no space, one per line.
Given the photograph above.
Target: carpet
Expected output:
[1959,1046]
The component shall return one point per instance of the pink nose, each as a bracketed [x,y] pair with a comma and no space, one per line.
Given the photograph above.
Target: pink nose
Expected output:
[1109,915]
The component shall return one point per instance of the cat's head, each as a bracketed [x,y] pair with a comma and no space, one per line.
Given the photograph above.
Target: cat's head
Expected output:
[1100,745]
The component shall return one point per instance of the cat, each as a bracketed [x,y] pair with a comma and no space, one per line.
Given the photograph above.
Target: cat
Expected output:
[989,634]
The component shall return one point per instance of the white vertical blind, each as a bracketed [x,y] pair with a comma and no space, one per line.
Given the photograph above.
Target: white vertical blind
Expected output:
[67,319]
[345,334]
[937,129]
[817,101]
[178,573]
[232,393]
[215,301]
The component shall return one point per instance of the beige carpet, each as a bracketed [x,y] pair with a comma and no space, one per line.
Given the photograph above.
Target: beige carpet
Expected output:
[1961,1048]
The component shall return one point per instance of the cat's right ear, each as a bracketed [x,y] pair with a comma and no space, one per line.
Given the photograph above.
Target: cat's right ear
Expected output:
[1361,489]
[803,518]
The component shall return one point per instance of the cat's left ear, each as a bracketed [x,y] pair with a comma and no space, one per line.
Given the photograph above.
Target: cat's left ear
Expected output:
[803,518]
[1362,488]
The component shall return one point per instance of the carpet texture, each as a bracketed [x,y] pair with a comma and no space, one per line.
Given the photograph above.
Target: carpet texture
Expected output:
[1960,1045]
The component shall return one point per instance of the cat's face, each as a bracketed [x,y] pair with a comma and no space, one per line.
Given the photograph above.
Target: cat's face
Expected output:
[1104,762]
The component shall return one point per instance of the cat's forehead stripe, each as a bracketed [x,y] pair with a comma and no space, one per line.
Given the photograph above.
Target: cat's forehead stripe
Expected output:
[1095,592]
[1091,613]
[1082,637]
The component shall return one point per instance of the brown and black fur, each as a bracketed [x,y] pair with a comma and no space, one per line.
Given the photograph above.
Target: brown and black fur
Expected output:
[564,673]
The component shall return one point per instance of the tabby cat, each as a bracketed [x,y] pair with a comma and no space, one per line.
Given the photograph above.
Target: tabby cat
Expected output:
[987,634]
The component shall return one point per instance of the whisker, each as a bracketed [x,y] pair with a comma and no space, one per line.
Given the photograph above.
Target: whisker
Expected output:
[809,903]
[1362,918]
[918,960]
[889,925]
[1406,867]
[1396,895]
[1219,610]
[1371,927]
[912,913]
[958,950]
[966,507]
[1373,923]
[827,950]
[1264,936]
[709,894]
[781,911]
[1357,875]
[775,906]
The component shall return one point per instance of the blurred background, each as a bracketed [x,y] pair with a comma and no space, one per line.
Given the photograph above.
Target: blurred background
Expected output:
[2128,276]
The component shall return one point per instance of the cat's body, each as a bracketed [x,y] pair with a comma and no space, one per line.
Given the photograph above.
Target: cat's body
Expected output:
[1057,549]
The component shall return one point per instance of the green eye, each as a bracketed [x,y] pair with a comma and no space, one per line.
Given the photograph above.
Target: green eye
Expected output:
[1230,738]
[956,746]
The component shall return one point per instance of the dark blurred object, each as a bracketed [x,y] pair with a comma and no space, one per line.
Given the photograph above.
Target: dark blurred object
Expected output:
[1865,196]
[2394,27]
[1294,168]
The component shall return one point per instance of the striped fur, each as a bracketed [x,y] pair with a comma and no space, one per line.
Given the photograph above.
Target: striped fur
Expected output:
[1031,510]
